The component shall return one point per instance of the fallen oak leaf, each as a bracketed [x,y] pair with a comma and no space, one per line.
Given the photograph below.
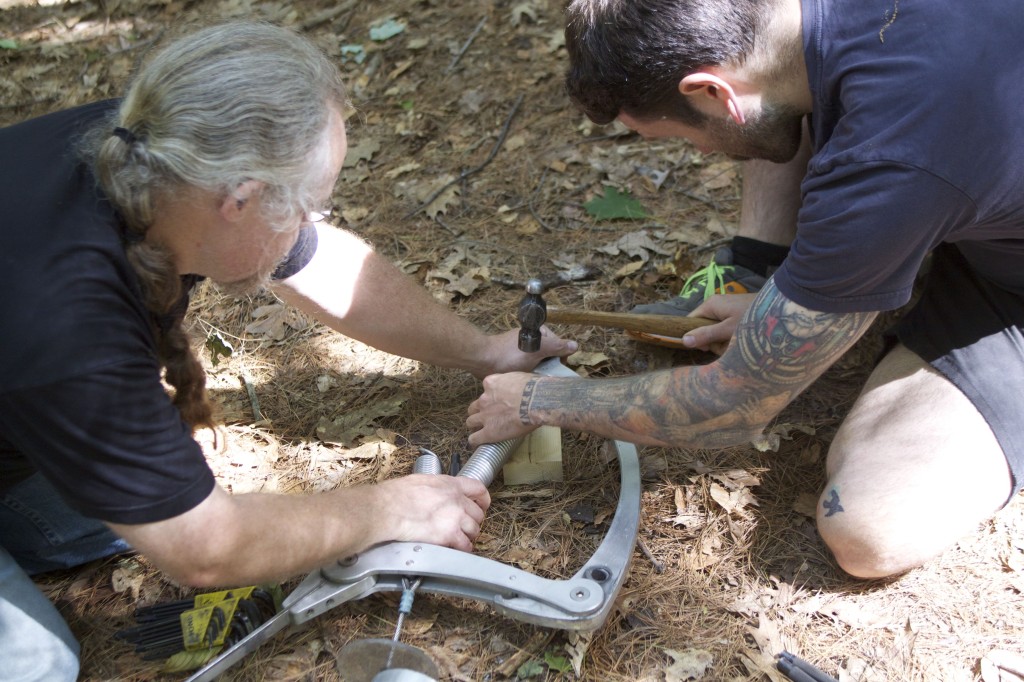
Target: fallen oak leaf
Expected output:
[357,423]
[273,321]
[636,245]
[584,359]
[734,502]
[361,151]
[690,664]
[470,281]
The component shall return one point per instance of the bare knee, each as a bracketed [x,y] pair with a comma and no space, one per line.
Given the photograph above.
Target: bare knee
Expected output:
[900,490]
[862,553]
[875,532]
[874,535]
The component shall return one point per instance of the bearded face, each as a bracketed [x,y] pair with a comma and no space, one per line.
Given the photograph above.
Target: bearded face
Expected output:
[772,134]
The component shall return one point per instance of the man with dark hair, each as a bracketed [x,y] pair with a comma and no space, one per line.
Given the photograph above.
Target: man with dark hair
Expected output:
[629,85]
[877,133]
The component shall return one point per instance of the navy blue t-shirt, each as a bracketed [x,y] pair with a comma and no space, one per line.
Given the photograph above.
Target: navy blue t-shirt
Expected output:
[80,394]
[918,139]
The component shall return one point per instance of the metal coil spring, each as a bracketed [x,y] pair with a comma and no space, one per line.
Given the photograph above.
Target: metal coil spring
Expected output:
[427,463]
[484,464]
[487,460]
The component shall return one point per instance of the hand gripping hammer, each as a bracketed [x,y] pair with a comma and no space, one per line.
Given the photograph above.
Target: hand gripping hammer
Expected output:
[533,312]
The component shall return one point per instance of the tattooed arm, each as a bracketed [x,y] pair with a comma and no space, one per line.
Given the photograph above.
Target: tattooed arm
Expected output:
[779,349]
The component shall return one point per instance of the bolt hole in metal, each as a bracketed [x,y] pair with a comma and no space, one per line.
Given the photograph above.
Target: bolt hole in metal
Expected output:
[599,574]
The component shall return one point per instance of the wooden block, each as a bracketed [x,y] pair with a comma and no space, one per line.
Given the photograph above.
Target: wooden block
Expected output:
[538,458]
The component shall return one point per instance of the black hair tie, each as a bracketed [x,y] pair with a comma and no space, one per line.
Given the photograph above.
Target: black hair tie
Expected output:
[125,135]
[131,237]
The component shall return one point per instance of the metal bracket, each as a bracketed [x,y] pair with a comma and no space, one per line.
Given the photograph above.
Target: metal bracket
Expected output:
[580,603]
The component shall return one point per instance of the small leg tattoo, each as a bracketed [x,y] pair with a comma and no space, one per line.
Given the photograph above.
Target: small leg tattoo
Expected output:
[832,503]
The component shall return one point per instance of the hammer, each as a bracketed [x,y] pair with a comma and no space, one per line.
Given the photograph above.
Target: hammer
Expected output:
[533,312]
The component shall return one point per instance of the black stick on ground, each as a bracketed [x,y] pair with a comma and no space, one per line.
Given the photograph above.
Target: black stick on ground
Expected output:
[466,173]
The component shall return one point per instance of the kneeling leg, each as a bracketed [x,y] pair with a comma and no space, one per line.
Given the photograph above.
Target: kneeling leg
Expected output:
[913,468]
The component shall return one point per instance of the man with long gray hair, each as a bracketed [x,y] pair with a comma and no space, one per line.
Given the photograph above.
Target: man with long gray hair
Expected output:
[214,164]
[878,132]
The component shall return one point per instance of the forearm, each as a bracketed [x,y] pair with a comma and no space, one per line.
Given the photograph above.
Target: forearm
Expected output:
[278,536]
[354,291]
[253,538]
[683,407]
[392,312]
[779,349]
[357,292]
[232,540]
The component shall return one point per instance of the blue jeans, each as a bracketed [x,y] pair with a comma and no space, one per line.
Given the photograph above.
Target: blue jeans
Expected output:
[39,532]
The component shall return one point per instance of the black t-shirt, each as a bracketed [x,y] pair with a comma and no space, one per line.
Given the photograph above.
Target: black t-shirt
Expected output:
[80,393]
[917,141]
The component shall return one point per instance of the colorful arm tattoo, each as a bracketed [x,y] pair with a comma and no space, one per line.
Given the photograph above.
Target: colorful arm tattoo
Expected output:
[779,349]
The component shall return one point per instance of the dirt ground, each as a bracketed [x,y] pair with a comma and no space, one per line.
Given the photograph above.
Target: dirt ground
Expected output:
[462,104]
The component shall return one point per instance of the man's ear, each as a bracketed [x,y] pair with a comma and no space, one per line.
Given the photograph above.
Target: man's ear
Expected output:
[234,205]
[713,95]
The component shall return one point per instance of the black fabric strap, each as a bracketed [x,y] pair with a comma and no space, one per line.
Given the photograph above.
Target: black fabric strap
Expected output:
[758,256]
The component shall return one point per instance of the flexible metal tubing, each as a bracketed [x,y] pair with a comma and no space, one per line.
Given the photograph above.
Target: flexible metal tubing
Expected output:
[427,463]
[483,465]
[487,460]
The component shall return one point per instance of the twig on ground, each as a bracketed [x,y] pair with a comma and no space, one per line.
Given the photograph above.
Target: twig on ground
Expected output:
[257,414]
[708,201]
[658,566]
[537,642]
[529,203]
[465,46]
[466,173]
[577,273]
[600,138]
[516,493]
[327,15]
[138,45]
[454,232]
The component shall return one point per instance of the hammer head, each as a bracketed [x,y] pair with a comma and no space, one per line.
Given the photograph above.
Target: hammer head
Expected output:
[533,311]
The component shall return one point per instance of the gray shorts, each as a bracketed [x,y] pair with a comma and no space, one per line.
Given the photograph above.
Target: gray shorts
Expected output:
[973,333]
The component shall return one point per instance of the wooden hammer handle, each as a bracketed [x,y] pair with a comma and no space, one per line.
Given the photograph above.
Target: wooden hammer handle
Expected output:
[666,325]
